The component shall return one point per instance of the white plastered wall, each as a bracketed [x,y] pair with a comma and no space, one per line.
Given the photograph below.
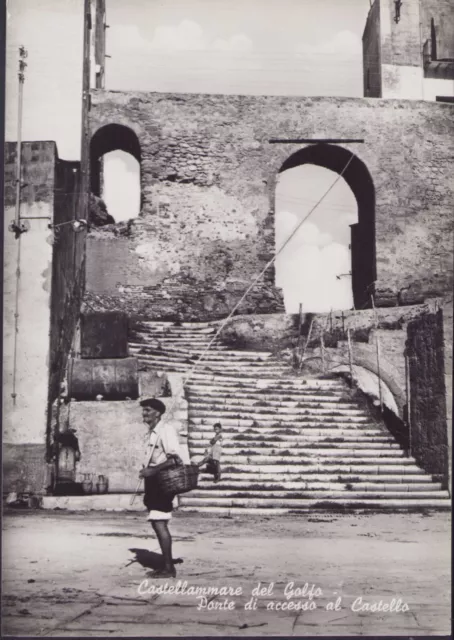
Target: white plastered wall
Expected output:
[25,421]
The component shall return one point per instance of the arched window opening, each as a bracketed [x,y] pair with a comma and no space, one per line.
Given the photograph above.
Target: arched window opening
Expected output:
[115,170]
[121,185]
[330,262]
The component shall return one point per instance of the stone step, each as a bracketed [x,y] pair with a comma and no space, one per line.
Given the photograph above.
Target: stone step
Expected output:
[207,483]
[174,334]
[291,383]
[304,457]
[229,405]
[219,414]
[222,352]
[288,480]
[237,436]
[283,385]
[238,365]
[291,505]
[169,347]
[168,334]
[314,506]
[268,498]
[196,328]
[216,356]
[232,447]
[251,399]
[180,343]
[307,423]
[196,370]
[353,467]
[240,370]
[282,431]
[248,389]
[155,325]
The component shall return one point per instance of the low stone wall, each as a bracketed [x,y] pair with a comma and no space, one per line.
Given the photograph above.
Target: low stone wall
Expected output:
[24,468]
[428,410]
[113,438]
[280,331]
[188,301]
[447,348]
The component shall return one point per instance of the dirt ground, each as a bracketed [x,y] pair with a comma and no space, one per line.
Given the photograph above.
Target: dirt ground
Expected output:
[82,575]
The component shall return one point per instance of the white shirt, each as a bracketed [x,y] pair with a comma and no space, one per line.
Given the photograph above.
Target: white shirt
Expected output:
[165,441]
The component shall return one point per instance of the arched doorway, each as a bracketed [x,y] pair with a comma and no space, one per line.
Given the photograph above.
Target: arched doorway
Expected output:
[362,233]
[115,159]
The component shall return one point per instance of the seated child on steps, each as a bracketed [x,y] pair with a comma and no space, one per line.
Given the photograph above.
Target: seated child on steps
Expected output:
[212,456]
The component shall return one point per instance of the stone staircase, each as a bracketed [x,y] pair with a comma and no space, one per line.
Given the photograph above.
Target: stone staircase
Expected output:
[290,443]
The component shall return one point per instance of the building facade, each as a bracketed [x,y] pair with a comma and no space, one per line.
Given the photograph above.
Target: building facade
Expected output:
[408,50]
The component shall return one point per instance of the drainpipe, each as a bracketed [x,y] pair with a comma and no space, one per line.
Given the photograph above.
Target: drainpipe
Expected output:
[17,227]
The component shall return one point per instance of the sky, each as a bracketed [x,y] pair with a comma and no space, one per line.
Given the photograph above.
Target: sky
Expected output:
[274,47]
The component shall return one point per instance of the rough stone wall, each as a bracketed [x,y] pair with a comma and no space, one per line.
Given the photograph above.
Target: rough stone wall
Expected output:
[68,273]
[372,53]
[401,47]
[24,469]
[428,416]
[447,351]
[208,186]
[401,42]
[442,11]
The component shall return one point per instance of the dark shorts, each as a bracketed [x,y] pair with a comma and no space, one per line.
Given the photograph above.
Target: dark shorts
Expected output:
[153,499]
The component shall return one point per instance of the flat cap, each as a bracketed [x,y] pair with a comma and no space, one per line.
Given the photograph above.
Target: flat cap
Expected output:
[154,403]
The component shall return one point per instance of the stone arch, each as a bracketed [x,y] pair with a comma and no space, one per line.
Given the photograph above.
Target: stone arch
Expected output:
[111,137]
[358,178]
[364,355]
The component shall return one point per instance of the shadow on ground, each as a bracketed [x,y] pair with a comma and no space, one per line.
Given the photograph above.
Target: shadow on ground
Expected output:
[150,559]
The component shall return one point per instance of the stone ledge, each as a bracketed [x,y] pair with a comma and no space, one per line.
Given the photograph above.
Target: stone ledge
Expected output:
[107,502]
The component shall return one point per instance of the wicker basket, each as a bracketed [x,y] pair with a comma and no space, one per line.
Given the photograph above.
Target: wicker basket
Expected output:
[179,479]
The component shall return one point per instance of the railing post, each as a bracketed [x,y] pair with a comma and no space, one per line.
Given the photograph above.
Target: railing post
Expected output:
[408,399]
[377,349]
[307,342]
[350,357]
[297,352]
[322,350]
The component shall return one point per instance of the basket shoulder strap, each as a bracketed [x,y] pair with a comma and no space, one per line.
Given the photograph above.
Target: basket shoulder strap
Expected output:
[153,447]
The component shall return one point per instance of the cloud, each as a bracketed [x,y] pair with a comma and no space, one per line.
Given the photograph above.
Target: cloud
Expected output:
[236,43]
[185,36]
[344,44]
[121,187]
[307,267]
[307,234]
[128,37]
